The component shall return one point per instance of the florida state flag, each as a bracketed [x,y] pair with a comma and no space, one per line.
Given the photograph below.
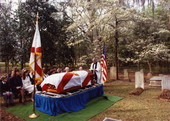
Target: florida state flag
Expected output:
[35,57]
[63,82]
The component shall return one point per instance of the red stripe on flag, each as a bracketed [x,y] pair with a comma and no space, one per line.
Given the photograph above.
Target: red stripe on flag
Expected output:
[45,87]
[38,69]
[66,78]
[38,49]
[86,80]
[32,49]
[104,68]
[105,74]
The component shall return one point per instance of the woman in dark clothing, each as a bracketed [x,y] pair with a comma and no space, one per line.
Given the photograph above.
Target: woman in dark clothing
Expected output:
[16,84]
[6,91]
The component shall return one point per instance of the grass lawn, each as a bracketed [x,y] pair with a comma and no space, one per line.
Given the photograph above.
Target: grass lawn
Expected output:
[145,107]
[94,107]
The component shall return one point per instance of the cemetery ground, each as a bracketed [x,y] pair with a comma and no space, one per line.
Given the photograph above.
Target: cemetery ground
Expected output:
[145,107]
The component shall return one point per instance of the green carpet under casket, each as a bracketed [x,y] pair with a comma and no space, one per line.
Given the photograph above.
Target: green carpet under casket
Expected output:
[94,107]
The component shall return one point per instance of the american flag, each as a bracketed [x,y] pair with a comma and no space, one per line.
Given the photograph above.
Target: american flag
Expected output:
[104,64]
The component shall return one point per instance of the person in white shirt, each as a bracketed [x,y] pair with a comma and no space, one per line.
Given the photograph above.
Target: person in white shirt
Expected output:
[26,80]
[96,70]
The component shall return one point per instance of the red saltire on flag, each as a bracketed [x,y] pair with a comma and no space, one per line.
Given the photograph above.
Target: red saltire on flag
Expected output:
[104,64]
[64,82]
[35,56]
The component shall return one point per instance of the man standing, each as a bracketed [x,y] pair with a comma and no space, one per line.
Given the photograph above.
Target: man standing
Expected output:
[96,70]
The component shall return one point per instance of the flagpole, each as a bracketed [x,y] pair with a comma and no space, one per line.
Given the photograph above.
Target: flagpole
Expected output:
[34,115]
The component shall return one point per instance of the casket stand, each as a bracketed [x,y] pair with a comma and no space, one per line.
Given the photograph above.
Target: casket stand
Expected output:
[73,100]
[56,104]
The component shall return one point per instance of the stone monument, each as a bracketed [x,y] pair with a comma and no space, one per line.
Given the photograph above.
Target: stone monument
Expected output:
[165,82]
[139,79]
[126,75]
[149,75]
[113,73]
[155,81]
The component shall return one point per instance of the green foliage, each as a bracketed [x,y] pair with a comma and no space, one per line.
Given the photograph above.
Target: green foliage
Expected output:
[8,43]
[72,32]
[53,35]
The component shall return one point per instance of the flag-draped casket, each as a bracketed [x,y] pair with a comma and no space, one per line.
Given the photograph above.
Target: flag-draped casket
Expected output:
[63,82]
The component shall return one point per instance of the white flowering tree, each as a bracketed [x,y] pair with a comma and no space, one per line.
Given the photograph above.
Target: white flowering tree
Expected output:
[103,21]
[134,33]
[150,41]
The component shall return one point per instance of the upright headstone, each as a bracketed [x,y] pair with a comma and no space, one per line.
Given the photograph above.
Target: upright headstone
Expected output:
[143,74]
[126,75]
[112,73]
[139,79]
[165,82]
[149,75]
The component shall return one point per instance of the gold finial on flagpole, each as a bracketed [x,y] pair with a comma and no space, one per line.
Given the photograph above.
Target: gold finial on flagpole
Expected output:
[37,17]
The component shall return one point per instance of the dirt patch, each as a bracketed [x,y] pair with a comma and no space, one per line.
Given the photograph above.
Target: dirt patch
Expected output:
[165,95]
[7,116]
[136,91]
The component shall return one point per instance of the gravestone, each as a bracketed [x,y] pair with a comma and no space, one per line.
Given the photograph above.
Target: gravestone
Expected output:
[155,81]
[113,73]
[165,82]
[126,74]
[149,75]
[139,79]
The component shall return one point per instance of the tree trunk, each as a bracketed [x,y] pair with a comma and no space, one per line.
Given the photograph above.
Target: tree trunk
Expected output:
[138,65]
[150,66]
[116,55]
[13,64]
[96,43]
[169,20]
[153,9]
[116,50]
[21,42]
[22,63]
[7,66]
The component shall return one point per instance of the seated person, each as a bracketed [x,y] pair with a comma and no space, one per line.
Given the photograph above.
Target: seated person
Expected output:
[80,68]
[6,91]
[16,84]
[59,70]
[26,81]
[66,69]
